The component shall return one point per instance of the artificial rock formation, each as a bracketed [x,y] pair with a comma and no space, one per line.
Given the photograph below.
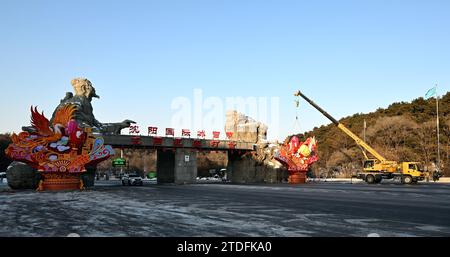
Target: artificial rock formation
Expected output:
[260,165]
[257,167]
[245,128]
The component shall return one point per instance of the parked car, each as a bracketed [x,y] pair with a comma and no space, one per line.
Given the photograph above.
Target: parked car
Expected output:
[132,180]
[2,176]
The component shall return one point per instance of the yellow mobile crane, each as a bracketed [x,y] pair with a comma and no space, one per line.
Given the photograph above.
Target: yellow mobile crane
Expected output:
[378,168]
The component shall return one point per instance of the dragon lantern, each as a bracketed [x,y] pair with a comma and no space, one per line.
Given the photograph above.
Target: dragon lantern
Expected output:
[298,157]
[60,150]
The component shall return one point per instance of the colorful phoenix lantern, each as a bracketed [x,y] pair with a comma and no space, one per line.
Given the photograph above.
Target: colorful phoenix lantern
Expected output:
[60,150]
[298,157]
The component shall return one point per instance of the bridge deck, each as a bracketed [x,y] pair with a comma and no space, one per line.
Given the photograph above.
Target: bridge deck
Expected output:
[170,142]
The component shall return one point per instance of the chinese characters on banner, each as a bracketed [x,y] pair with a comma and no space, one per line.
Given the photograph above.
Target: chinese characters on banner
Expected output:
[197,143]
[215,143]
[232,145]
[157,141]
[170,132]
[134,130]
[178,142]
[185,133]
[201,134]
[152,131]
[136,139]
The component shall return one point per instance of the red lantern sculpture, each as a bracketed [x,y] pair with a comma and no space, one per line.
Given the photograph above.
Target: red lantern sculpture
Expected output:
[298,157]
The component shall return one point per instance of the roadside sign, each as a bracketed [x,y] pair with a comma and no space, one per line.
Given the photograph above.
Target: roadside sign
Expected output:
[119,162]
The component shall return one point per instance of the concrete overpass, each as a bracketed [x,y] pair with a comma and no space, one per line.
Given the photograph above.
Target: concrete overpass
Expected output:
[180,166]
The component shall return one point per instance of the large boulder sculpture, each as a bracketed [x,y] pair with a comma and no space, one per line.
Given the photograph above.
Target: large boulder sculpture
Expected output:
[22,176]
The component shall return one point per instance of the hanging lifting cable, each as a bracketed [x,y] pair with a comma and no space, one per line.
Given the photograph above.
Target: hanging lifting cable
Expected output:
[296,126]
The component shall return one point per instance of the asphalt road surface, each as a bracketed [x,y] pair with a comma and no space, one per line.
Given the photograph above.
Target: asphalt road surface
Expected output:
[316,209]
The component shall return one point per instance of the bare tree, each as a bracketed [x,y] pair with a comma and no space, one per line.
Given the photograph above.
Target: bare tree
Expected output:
[427,139]
[345,161]
[447,148]
[392,135]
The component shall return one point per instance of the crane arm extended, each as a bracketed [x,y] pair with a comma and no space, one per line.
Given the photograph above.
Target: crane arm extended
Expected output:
[341,126]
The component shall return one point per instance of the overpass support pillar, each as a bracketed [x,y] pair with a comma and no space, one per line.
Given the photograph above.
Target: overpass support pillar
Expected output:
[254,167]
[179,167]
[240,169]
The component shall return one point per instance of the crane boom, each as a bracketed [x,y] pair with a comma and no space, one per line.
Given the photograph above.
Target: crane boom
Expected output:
[341,126]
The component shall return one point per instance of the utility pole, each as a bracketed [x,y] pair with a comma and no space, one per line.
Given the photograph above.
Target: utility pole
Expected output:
[121,157]
[364,134]
[437,128]
[448,148]
[448,144]
[365,127]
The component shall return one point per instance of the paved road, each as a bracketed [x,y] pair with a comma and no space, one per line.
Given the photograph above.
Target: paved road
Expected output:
[318,209]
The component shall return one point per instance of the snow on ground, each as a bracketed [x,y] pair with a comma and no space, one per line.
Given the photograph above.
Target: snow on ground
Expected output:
[327,209]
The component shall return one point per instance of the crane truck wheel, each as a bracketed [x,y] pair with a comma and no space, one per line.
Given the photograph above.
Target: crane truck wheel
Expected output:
[370,179]
[407,180]
[378,179]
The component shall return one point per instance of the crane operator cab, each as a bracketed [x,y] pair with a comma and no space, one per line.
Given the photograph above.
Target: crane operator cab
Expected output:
[412,172]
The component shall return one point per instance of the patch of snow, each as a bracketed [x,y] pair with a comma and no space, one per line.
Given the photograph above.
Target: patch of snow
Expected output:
[361,222]
[430,228]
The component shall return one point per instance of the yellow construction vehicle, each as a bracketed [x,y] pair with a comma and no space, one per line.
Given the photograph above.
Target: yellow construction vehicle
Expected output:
[377,168]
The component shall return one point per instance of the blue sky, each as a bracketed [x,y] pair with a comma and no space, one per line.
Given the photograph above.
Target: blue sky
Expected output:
[348,56]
